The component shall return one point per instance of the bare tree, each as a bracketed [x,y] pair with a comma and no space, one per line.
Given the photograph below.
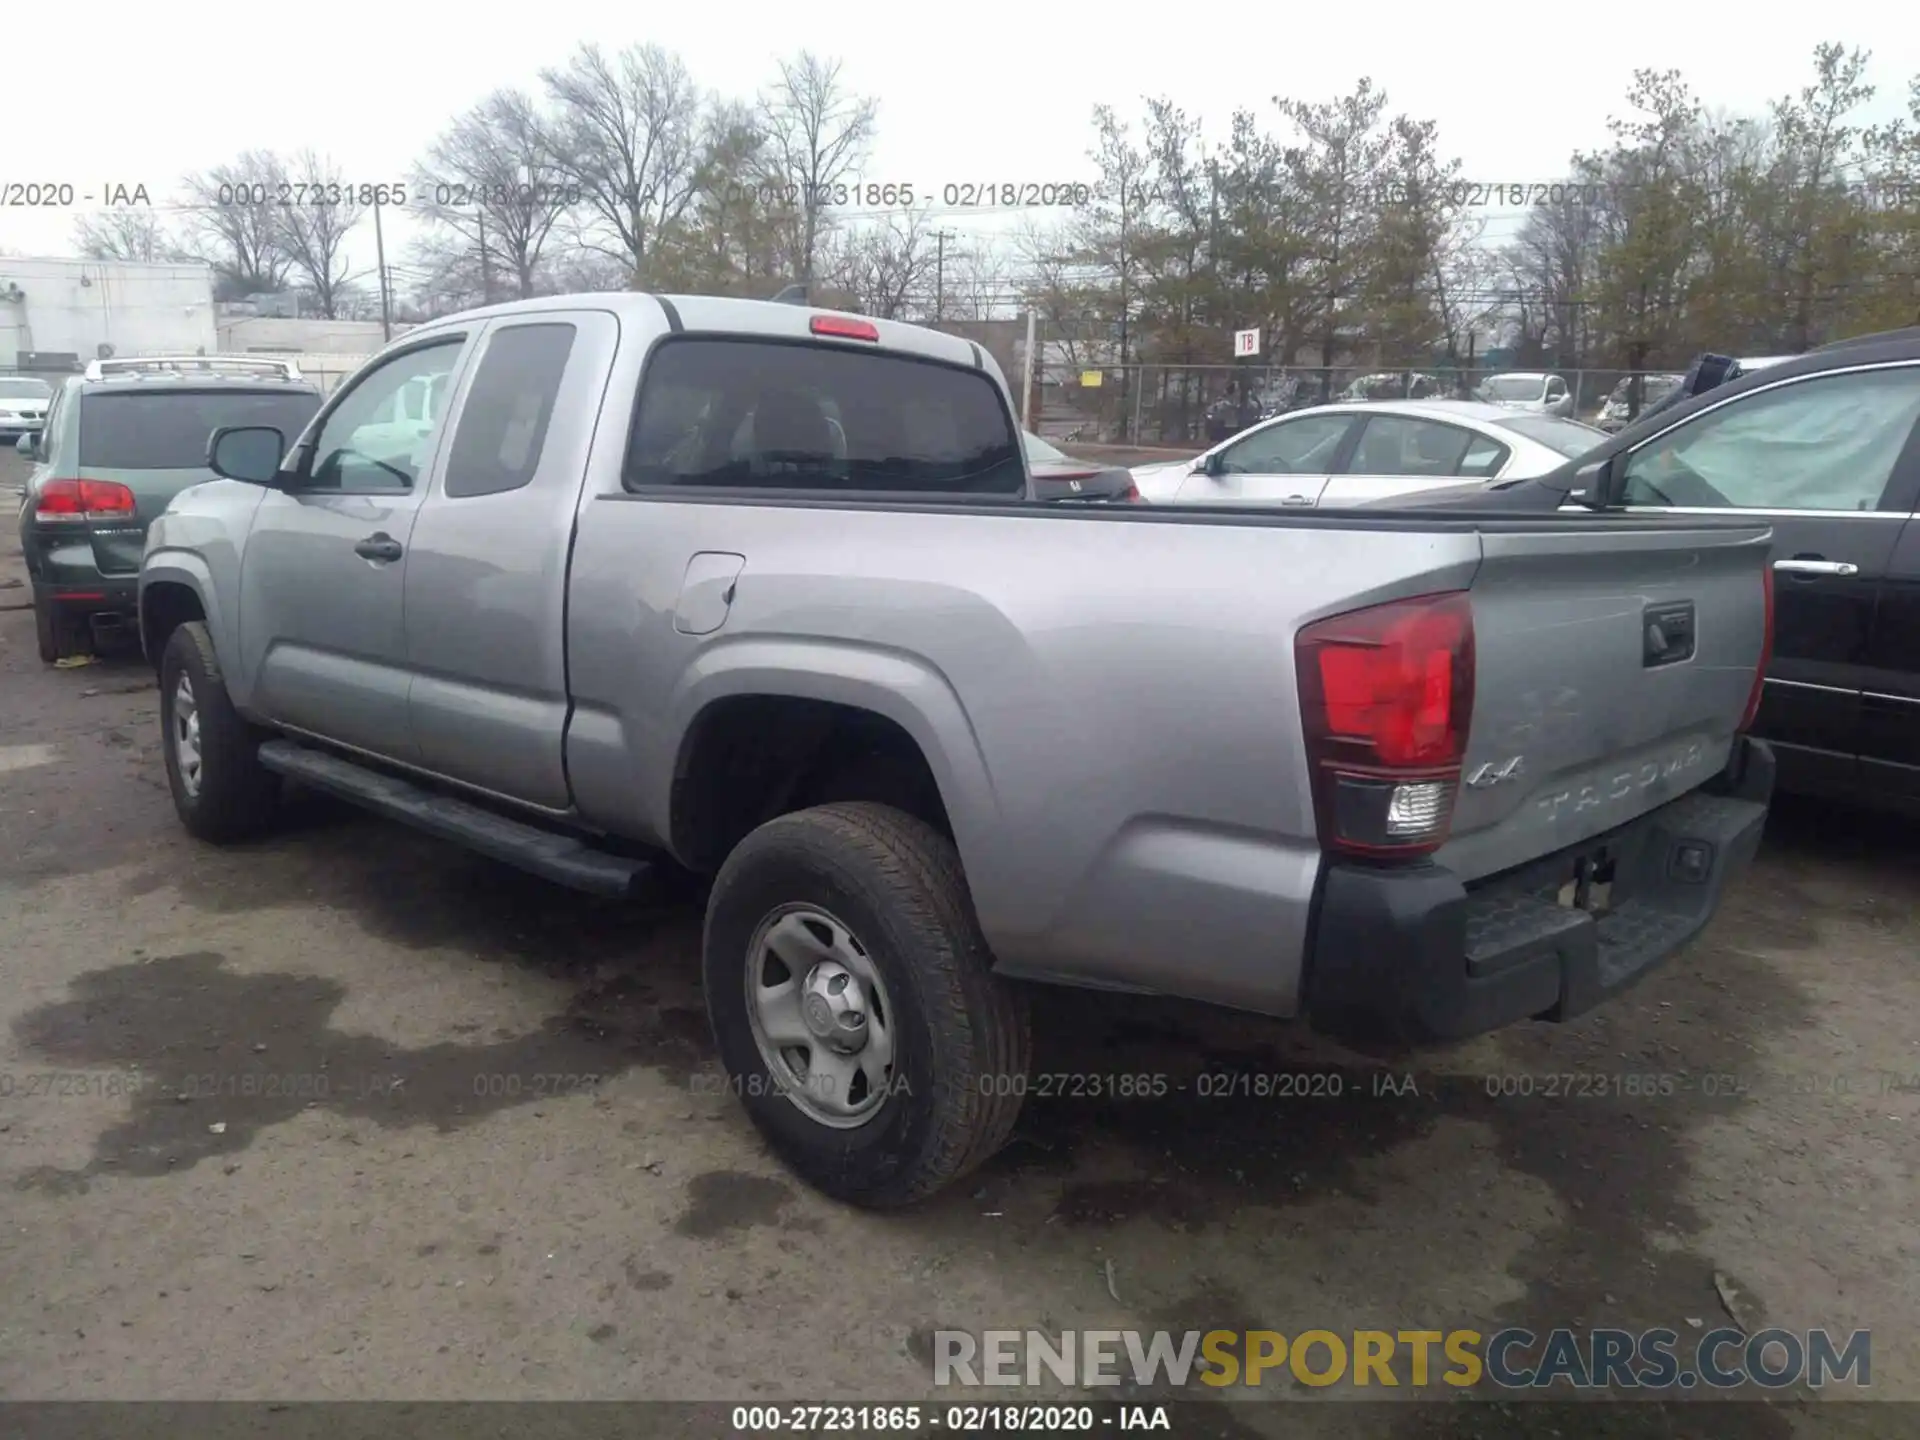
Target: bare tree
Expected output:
[236,225]
[124,233]
[321,212]
[627,133]
[446,274]
[490,180]
[886,267]
[979,282]
[817,134]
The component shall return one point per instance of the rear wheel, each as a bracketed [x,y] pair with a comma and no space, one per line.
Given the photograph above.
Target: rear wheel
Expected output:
[221,791]
[854,1005]
[57,634]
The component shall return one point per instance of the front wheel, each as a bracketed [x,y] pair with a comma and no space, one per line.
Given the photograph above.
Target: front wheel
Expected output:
[221,791]
[854,1005]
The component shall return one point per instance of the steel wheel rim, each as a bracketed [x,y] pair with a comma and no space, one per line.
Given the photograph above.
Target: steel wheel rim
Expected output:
[808,980]
[186,736]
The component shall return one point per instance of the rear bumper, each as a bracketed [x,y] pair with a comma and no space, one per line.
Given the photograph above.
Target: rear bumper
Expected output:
[66,570]
[99,596]
[1412,955]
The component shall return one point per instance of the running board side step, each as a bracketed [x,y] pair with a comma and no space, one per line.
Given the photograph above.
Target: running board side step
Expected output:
[561,858]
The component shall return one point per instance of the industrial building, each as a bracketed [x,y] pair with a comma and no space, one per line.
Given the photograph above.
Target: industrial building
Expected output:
[57,314]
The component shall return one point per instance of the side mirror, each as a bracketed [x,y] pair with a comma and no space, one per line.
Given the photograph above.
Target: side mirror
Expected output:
[248,453]
[1595,484]
[1212,464]
[27,444]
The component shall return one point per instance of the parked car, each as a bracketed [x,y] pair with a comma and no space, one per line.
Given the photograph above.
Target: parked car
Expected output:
[1349,454]
[1531,390]
[23,406]
[118,444]
[1058,476]
[1618,412]
[1296,393]
[1394,385]
[1825,448]
[853,679]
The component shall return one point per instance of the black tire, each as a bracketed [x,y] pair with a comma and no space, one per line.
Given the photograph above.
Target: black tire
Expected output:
[961,1033]
[237,795]
[47,630]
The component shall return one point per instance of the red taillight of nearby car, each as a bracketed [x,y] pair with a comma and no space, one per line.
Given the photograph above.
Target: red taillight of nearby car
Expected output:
[1766,649]
[1386,696]
[80,501]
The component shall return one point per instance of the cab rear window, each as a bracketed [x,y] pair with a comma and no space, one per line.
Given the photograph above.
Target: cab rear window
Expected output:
[754,415]
[169,429]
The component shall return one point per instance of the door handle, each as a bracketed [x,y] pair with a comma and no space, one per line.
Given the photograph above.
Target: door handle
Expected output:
[1814,565]
[1297,500]
[378,546]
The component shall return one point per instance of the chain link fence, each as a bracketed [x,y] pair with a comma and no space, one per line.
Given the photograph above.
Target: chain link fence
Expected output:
[1193,406]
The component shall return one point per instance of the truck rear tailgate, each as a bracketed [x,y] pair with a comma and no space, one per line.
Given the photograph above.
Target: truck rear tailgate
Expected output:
[1613,662]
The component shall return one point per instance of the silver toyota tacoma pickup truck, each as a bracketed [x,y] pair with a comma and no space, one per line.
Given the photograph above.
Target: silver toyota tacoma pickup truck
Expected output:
[757,592]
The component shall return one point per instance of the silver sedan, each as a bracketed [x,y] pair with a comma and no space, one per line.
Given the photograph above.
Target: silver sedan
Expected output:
[1354,454]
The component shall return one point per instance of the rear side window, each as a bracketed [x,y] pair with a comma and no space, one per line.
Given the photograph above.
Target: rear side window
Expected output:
[748,414]
[496,445]
[169,429]
[1483,459]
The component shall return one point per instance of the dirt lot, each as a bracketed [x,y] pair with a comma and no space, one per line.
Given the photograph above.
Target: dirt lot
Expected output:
[450,1211]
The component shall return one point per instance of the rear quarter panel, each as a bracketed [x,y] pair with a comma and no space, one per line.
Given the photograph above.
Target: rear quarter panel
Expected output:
[1111,717]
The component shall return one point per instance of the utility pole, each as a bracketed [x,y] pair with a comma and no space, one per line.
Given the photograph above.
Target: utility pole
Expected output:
[1213,266]
[1026,380]
[486,262]
[380,258]
[940,238]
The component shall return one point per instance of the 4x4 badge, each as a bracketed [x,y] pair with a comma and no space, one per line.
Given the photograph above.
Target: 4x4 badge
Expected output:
[1490,774]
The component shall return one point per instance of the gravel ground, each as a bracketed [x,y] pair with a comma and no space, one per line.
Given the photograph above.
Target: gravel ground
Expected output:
[390,1179]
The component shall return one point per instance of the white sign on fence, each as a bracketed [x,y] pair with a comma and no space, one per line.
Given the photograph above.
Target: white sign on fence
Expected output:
[1246,342]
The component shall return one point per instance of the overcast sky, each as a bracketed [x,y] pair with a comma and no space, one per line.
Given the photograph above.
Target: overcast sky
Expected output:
[982,91]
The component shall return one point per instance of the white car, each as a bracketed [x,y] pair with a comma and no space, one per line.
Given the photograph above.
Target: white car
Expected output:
[1353,454]
[1530,390]
[23,405]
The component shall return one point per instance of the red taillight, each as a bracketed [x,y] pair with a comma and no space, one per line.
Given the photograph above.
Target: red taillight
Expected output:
[1766,648]
[1386,694]
[81,500]
[1130,495]
[842,327]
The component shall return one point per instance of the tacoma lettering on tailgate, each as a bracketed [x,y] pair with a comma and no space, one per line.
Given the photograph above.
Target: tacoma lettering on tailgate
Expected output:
[1624,784]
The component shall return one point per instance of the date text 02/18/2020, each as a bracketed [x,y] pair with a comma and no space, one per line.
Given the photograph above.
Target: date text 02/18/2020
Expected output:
[980,194]
[1207,1085]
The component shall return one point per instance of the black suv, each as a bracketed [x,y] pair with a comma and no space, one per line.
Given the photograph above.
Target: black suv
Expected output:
[118,444]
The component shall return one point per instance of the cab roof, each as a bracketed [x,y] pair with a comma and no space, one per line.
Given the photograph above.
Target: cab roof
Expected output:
[713,315]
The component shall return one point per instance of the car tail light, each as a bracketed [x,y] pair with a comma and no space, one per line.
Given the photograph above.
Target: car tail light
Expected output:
[1766,648]
[1386,695]
[79,501]
[1130,495]
[844,328]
